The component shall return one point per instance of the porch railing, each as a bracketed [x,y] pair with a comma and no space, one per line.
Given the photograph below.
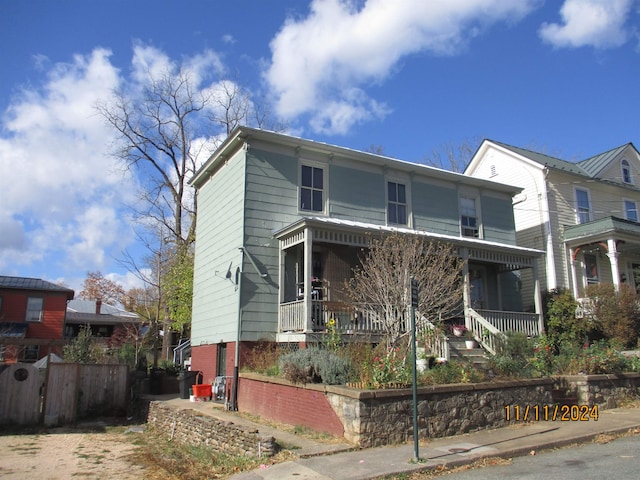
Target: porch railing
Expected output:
[528,323]
[348,318]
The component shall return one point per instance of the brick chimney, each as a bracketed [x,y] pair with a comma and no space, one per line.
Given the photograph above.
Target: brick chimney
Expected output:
[98,306]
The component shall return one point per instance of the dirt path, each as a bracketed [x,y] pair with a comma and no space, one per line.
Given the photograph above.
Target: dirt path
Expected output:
[64,454]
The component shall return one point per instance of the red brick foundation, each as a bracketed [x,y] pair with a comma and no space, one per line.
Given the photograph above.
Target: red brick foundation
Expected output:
[272,399]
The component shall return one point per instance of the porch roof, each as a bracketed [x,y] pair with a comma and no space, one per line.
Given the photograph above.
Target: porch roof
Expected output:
[333,230]
[595,230]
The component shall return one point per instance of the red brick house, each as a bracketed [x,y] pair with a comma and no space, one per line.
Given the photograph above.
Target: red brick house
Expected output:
[32,318]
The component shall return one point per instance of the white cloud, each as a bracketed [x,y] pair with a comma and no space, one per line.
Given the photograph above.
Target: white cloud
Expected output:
[596,23]
[53,155]
[318,62]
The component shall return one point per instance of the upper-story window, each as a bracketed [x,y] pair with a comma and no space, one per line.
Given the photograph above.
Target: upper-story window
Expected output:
[312,190]
[626,171]
[469,224]
[630,210]
[34,309]
[583,206]
[396,203]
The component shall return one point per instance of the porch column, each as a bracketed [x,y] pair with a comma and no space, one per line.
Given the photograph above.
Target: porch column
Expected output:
[537,297]
[466,284]
[613,260]
[308,307]
[574,276]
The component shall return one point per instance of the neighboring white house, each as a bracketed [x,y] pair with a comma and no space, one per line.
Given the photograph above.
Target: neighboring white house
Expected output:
[584,215]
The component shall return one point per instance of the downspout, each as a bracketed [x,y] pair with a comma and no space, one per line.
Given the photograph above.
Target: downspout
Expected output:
[236,362]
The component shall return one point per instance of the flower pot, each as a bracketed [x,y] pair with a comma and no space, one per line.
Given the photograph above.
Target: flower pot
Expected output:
[471,344]
[422,365]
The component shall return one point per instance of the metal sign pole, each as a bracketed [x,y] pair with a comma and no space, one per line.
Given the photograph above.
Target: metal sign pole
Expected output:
[414,304]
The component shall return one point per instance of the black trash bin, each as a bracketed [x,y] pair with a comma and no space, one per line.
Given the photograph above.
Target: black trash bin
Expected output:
[155,381]
[187,378]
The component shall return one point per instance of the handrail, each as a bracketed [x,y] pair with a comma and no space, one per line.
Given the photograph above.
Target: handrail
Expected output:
[485,334]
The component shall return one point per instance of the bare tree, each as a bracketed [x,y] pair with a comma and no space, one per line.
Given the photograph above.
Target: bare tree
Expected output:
[165,130]
[157,131]
[453,157]
[381,282]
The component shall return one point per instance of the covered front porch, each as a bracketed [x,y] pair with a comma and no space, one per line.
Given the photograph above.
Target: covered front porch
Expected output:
[603,251]
[317,255]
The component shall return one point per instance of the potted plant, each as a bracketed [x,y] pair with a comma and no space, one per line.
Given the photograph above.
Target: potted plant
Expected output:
[470,342]
[458,330]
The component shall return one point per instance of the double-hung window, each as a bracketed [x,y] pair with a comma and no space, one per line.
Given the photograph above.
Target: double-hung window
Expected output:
[630,210]
[396,203]
[34,309]
[626,171]
[583,206]
[312,188]
[469,218]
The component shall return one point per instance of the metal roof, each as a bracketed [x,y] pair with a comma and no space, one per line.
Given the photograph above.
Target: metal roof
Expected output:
[36,284]
[594,165]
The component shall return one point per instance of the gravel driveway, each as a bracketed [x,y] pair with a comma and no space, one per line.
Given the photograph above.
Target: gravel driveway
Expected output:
[67,453]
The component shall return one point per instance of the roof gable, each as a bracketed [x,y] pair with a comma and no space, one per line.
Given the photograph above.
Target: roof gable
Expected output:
[595,165]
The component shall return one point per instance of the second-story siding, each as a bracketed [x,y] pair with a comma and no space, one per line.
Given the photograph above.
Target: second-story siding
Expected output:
[357,195]
[435,208]
[497,220]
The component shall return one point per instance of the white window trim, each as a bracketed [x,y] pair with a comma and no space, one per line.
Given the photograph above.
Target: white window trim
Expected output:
[325,186]
[622,169]
[624,209]
[576,210]
[26,313]
[407,192]
[476,198]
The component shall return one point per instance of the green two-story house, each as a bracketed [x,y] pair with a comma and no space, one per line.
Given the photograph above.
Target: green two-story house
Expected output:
[281,221]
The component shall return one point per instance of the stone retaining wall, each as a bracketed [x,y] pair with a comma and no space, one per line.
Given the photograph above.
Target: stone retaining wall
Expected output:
[193,428]
[381,417]
[605,391]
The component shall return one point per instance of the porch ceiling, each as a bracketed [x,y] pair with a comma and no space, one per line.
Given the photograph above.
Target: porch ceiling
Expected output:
[346,232]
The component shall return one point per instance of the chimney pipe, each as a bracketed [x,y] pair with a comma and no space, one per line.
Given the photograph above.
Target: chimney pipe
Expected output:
[98,306]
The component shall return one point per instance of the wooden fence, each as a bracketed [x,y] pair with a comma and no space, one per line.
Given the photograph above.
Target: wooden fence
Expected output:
[63,393]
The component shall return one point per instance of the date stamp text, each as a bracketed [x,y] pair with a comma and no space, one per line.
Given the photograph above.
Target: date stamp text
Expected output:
[550,413]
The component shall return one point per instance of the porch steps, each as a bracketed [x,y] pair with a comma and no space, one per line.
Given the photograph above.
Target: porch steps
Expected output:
[459,351]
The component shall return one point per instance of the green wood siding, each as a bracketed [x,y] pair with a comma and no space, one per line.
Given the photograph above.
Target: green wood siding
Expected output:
[435,208]
[218,233]
[357,195]
[271,203]
[497,220]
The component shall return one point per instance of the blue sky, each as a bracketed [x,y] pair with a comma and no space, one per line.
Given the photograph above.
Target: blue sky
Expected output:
[412,76]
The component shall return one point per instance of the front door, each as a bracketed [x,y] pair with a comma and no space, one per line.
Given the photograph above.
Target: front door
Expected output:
[477,282]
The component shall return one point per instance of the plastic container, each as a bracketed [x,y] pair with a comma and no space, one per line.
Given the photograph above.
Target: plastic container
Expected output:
[203,390]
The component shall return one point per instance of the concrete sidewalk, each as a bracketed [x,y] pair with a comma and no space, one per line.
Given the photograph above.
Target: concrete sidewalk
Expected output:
[340,461]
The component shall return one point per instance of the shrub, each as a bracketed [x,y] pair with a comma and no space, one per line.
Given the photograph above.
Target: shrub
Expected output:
[616,313]
[390,366]
[597,358]
[513,354]
[451,372]
[562,325]
[262,358]
[313,365]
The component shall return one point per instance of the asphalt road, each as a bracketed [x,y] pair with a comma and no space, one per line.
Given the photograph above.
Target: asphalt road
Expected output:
[619,459]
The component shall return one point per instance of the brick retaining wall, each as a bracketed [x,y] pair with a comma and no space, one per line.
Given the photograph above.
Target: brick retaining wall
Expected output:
[193,428]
